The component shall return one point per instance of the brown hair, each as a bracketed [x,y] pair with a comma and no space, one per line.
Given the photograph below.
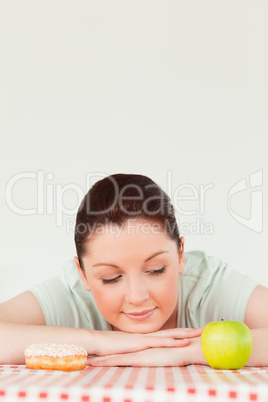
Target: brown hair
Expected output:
[119,197]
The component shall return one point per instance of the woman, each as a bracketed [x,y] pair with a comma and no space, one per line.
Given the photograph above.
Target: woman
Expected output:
[132,296]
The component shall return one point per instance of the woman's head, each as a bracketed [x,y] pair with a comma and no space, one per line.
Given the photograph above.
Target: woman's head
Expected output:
[130,252]
[118,198]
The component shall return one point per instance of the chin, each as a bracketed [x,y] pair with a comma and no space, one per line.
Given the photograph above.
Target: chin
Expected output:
[141,328]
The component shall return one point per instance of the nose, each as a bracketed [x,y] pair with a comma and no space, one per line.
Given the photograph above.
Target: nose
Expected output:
[136,291]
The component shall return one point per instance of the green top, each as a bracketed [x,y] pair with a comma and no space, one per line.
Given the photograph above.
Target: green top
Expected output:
[209,290]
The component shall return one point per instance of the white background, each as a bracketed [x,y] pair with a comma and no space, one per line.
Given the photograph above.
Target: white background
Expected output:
[175,90]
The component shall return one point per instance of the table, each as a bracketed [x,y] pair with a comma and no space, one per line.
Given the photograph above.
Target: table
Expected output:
[134,384]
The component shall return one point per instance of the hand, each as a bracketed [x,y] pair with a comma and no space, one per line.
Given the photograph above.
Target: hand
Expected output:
[191,354]
[117,342]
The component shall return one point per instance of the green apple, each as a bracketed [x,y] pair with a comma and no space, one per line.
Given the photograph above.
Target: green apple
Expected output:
[226,344]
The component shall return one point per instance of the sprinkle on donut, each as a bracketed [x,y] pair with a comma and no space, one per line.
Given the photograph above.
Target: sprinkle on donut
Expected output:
[54,350]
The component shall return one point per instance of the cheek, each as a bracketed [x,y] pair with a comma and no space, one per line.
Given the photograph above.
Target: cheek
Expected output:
[166,291]
[106,298]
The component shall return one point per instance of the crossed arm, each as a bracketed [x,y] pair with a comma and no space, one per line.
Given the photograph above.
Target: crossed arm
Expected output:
[22,323]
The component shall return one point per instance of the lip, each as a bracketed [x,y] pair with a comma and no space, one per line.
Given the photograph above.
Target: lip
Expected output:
[139,316]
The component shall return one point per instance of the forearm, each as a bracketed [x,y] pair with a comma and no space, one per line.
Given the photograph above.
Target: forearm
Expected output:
[259,355]
[15,338]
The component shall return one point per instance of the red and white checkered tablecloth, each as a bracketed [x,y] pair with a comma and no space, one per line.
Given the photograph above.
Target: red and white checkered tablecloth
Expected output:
[134,384]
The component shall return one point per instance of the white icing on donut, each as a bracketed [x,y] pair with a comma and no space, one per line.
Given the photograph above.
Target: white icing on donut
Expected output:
[54,350]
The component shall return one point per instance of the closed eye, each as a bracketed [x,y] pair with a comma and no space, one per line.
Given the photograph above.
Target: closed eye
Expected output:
[114,280]
[158,271]
[107,281]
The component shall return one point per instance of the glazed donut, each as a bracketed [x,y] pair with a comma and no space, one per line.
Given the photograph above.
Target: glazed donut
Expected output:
[52,356]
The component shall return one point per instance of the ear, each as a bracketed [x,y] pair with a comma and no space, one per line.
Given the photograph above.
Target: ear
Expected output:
[181,256]
[82,274]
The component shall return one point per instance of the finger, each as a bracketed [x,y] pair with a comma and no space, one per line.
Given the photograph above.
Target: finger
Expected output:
[178,333]
[193,333]
[169,342]
[160,342]
[187,332]
[182,342]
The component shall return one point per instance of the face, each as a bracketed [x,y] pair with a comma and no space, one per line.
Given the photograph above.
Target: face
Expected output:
[133,275]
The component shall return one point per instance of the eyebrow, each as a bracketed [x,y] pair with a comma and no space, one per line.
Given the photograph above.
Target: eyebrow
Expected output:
[147,259]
